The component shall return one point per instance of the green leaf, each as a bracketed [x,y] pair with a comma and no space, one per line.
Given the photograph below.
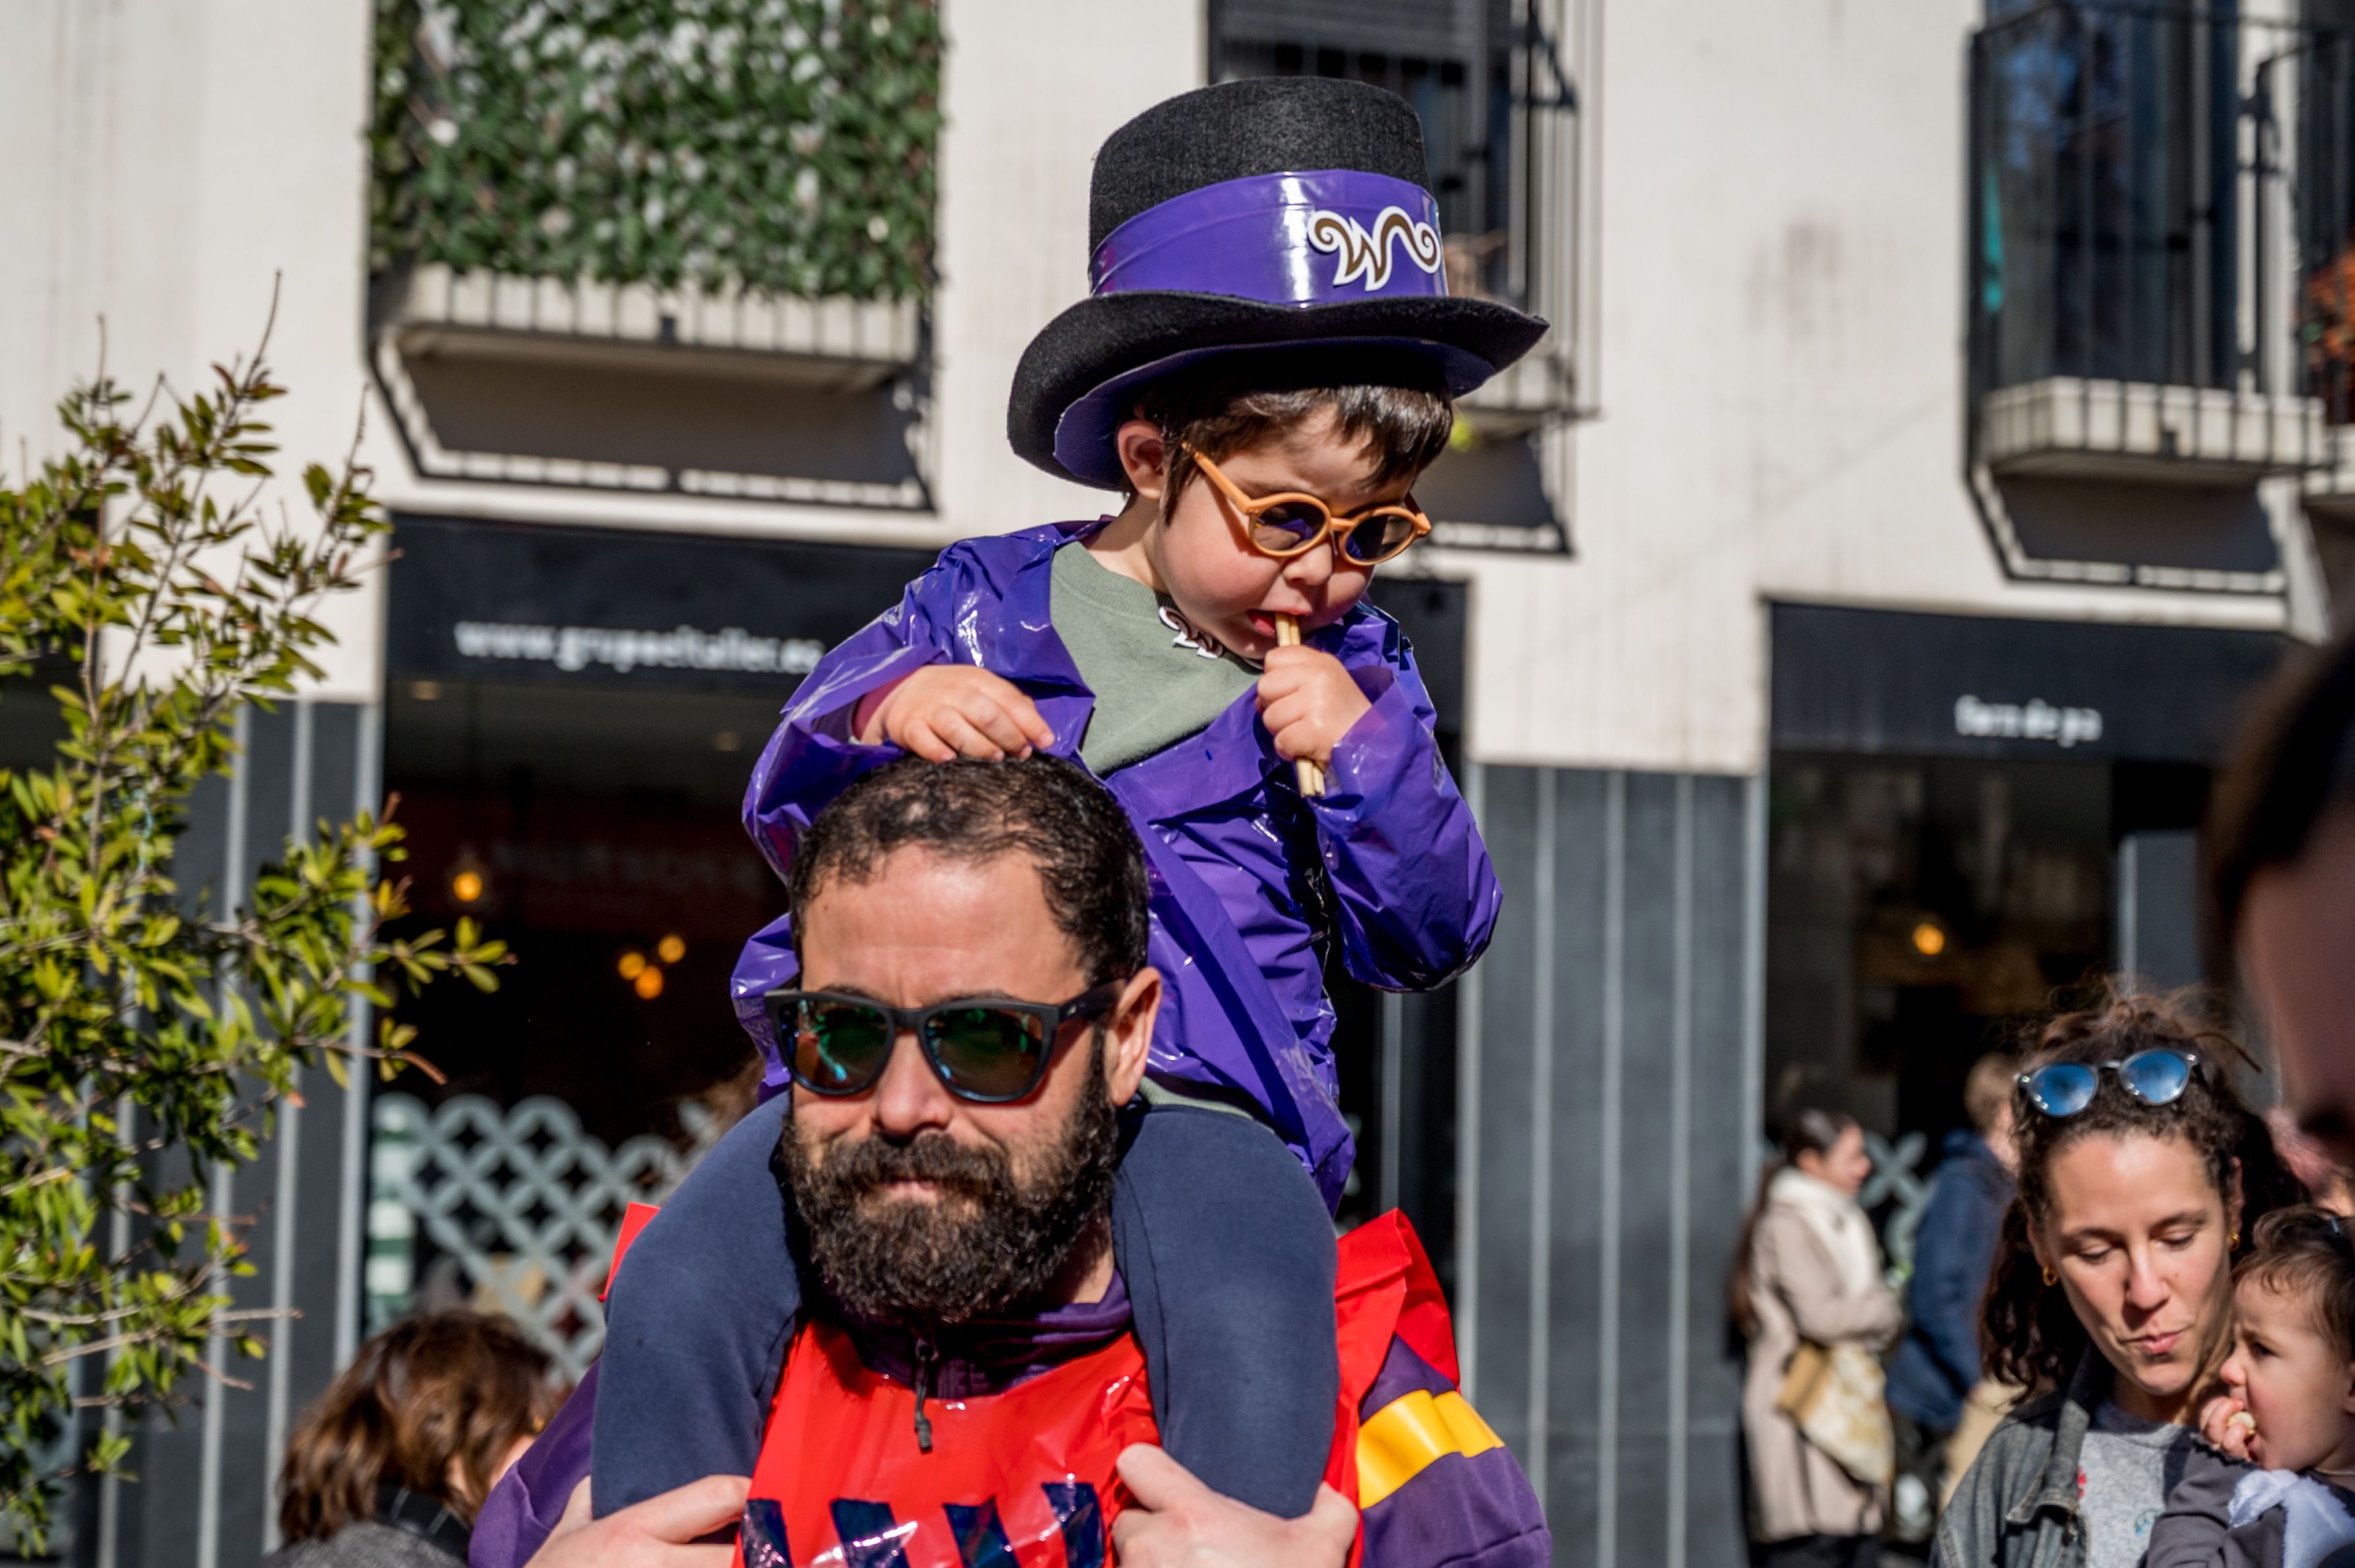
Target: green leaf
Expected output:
[108,993]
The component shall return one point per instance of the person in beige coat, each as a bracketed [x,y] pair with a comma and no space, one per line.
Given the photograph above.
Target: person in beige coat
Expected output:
[1809,1270]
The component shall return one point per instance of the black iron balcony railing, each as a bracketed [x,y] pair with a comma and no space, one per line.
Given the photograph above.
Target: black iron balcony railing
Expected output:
[2161,204]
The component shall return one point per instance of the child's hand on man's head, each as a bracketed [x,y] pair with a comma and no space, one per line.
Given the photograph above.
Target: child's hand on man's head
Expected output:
[946,711]
[1308,699]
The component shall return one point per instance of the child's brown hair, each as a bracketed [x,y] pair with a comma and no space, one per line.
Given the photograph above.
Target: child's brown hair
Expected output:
[1231,408]
[2305,1251]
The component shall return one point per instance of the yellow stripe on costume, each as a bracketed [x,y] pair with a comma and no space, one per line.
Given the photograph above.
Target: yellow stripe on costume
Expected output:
[1399,1441]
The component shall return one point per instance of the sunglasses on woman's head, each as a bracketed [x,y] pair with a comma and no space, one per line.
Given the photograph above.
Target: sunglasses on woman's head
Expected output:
[2156,1078]
[1293,523]
[987,1050]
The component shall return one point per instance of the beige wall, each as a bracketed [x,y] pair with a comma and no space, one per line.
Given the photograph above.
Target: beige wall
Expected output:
[163,160]
[1777,279]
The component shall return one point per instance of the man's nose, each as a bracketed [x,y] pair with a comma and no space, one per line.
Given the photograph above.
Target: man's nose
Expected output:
[909,1097]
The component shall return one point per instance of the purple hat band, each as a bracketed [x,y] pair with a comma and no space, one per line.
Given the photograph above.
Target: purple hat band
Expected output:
[1314,239]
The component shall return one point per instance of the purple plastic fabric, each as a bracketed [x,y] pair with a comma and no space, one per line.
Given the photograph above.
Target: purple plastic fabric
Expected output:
[523,1509]
[1244,872]
[1468,1511]
[1316,237]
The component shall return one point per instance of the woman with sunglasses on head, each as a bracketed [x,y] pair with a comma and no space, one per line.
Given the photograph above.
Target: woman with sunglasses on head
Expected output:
[2111,1299]
[1206,650]
[1808,1274]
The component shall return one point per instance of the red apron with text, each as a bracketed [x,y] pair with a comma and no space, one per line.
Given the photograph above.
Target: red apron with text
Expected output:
[1024,1478]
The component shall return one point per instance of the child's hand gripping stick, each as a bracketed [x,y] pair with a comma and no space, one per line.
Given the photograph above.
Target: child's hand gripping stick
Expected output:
[1311,777]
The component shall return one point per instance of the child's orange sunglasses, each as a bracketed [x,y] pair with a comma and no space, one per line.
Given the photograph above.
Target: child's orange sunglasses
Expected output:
[1292,523]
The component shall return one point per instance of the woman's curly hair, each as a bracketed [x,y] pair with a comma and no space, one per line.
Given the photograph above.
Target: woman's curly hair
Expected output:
[447,1388]
[2029,1335]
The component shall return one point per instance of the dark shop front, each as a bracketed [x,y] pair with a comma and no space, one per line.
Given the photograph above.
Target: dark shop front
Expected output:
[1966,817]
[570,719]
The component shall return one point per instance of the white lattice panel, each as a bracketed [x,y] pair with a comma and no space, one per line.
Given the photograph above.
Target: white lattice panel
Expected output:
[518,1205]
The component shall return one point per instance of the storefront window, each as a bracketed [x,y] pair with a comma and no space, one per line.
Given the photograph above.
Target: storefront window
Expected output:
[1918,909]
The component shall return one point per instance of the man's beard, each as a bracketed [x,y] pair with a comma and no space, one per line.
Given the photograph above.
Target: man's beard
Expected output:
[986,1245]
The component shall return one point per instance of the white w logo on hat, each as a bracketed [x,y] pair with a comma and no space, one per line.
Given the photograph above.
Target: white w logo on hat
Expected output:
[1368,256]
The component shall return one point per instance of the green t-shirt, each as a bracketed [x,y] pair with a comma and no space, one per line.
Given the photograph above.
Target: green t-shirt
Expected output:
[1155,681]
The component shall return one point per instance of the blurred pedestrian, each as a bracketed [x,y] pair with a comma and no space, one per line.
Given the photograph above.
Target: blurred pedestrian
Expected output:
[1937,1361]
[388,1469]
[1808,1297]
[2111,1290]
[2332,1184]
[2278,876]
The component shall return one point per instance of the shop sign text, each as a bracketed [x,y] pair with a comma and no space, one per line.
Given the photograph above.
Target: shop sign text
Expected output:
[2035,719]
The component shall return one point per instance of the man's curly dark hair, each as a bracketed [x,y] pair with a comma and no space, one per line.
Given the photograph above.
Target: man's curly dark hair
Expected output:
[1044,808]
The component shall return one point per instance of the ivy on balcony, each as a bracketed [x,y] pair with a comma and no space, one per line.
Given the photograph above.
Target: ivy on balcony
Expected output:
[787,146]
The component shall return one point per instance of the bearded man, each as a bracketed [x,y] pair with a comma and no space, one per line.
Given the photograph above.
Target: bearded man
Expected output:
[968,1388]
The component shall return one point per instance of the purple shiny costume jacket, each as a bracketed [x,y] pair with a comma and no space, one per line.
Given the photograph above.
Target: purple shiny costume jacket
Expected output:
[1247,876]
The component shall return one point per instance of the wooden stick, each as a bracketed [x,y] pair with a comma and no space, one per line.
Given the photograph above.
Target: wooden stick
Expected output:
[1310,775]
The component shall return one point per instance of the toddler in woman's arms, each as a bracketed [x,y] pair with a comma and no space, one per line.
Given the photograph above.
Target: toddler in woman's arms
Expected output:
[2271,1488]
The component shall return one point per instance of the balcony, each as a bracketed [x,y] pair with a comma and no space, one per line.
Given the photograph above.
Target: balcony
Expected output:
[2152,187]
[616,254]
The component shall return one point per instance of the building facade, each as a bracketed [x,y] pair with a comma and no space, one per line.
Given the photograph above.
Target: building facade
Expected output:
[1836,623]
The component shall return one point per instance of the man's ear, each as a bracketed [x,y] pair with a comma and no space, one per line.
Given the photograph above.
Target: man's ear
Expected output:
[1144,457]
[1128,1036]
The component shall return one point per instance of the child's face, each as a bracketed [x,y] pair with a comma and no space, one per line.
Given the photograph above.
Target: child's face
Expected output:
[2292,1378]
[1235,594]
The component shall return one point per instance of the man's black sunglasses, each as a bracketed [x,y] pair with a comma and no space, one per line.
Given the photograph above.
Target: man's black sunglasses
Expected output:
[987,1049]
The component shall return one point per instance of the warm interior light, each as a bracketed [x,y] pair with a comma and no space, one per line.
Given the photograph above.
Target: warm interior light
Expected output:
[671,949]
[425,691]
[649,983]
[632,965]
[727,740]
[467,879]
[1929,939]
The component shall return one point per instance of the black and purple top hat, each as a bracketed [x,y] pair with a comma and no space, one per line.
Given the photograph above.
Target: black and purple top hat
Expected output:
[1280,215]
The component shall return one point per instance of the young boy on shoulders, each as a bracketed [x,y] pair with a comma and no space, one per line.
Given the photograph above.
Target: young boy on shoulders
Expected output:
[1265,367]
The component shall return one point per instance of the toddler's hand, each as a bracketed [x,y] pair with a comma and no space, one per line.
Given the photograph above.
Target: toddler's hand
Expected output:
[946,711]
[1308,701]
[2227,1425]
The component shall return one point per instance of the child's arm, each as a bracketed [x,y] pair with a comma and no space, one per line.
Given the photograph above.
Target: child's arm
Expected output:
[2193,1532]
[1415,898]
[907,682]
